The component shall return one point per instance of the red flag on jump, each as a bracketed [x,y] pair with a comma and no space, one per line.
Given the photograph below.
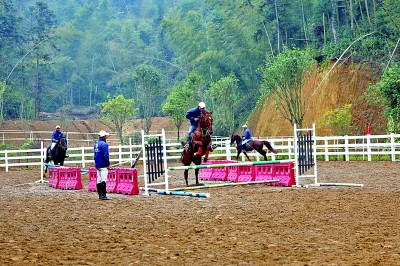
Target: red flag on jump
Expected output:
[368,131]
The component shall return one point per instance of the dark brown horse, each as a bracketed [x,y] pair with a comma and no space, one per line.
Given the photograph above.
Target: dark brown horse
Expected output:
[257,145]
[201,145]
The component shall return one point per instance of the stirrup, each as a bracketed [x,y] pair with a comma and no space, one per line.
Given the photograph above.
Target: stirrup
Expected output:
[186,147]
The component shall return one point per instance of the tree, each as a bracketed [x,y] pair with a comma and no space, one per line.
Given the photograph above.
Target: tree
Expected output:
[386,93]
[182,98]
[118,110]
[284,76]
[147,90]
[43,22]
[339,120]
[225,101]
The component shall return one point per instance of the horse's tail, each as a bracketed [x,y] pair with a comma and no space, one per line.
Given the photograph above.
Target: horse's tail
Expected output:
[269,146]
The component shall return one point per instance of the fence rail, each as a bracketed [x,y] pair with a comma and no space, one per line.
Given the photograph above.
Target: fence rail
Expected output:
[347,148]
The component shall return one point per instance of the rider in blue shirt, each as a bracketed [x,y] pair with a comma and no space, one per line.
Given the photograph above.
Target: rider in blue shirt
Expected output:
[193,115]
[102,163]
[55,138]
[246,137]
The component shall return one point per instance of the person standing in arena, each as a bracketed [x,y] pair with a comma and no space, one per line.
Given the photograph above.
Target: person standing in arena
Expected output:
[102,163]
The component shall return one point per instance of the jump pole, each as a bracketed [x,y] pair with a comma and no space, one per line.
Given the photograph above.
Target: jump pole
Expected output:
[224,185]
[335,185]
[228,165]
[177,193]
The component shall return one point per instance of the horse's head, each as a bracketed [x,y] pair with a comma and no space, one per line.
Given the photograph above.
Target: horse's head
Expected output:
[205,122]
[63,143]
[235,138]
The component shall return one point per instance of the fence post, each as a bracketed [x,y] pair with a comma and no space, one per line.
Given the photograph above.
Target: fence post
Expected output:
[326,150]
[130,151]
[6,160]
[83,157]
[228,150]
[392,146]
[346,147]
[369,147]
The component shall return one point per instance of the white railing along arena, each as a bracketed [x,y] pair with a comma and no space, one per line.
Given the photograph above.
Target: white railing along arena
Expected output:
[328,148]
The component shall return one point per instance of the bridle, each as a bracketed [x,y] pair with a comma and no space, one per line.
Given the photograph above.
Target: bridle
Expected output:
[204,124]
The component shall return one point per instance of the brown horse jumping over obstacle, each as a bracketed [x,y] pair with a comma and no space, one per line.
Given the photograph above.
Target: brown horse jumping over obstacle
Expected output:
[201,145]
[252,145]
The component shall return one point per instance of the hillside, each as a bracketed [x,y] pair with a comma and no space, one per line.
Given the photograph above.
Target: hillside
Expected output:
[346,84]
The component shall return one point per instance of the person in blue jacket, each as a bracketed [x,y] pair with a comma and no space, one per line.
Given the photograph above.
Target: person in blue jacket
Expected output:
[246,137]
[193,115]
[102,163]
[55,138]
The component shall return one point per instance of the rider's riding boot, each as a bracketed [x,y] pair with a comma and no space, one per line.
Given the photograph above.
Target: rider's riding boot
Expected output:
[104,190]
[99,190]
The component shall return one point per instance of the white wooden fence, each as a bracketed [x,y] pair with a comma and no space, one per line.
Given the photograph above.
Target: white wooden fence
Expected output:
[365,148]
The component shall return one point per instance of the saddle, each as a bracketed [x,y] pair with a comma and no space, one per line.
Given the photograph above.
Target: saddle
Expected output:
[246,144]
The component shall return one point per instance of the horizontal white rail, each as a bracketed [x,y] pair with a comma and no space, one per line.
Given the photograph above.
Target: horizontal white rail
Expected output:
[386,147]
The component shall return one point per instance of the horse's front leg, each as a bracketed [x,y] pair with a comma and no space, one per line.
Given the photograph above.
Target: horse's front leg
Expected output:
[186,177]
[196,173]
[247,156]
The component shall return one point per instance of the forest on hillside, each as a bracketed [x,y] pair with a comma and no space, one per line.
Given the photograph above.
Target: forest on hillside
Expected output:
[72,56]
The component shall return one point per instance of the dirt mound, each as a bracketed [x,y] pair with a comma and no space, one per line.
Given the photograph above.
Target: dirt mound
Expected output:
[345,85]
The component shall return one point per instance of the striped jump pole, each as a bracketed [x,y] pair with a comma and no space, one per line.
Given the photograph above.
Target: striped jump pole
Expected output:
[224,185]
[335,185]
[177,193]
[228,165]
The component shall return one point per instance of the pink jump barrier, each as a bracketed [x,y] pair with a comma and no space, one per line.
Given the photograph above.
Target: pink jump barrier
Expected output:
[53,177]
[214,174]
[92,186]
[70,178]
[232,173]
[128,181]
[246,173]
[264,172]
[112,180]
[284,172]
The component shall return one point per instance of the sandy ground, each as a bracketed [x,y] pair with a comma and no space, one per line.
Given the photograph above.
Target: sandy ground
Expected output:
[243,225]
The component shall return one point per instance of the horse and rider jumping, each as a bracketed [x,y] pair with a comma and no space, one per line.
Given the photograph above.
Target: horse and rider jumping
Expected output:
[199,139]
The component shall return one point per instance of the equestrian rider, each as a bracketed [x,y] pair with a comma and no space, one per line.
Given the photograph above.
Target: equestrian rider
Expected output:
[55,138]
[102,163]
[194,115]
[246,137]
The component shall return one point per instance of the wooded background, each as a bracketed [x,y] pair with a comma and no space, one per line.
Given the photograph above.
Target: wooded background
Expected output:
[71,56]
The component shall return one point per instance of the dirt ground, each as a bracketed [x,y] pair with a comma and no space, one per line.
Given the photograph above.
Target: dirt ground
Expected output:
[242,225]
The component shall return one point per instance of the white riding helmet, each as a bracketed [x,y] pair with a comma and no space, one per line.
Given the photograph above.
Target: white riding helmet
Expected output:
[202,105]
[103,133]
[58,126]
[244,125]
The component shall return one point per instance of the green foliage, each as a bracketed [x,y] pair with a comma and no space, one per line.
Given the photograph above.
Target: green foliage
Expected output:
[76,53]
[118,110]
[136,137]
[147,90]
[387,93]
[31,144]
[225,103]
[181,98]
[338,119]
[284,76]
